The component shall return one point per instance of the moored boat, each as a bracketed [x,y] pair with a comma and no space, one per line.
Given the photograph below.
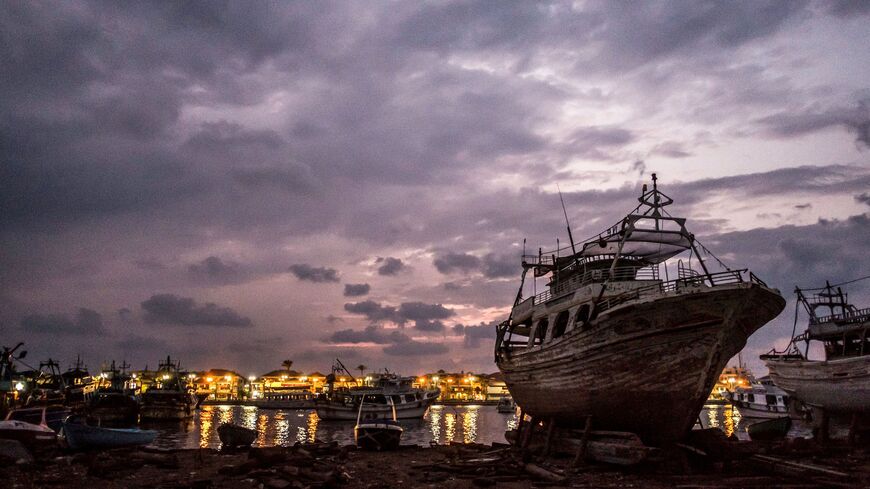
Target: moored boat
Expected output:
[79,435]
[170,399]
[506,405]
[840,383]
[234,436]
[761,399]
[771,429]
[114,401]
[611,339]
[383,393]
[373,433]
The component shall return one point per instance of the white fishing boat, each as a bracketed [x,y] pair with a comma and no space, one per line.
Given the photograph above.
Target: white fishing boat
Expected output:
[383,394]
[611,339]
[839,383]
[761,399]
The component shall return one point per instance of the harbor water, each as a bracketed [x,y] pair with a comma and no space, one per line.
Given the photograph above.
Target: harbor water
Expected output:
[441,425]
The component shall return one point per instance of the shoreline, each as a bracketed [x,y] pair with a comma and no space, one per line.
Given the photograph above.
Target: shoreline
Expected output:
[327,465]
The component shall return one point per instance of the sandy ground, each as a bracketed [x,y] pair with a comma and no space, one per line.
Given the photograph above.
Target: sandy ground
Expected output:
[455,466]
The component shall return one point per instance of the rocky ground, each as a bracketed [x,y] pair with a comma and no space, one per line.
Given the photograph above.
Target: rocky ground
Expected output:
[326,465]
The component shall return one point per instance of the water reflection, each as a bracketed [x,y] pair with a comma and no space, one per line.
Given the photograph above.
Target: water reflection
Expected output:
[442,424]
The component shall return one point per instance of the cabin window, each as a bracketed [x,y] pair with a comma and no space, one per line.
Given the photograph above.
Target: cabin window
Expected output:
[542,329]
[752,398]
[561,324]
[771,399]
[396,399]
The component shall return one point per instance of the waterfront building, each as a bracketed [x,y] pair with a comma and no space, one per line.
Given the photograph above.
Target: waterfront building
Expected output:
[283,385]
[218,385]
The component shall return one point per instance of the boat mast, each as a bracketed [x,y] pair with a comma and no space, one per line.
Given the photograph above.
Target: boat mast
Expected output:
[568,225]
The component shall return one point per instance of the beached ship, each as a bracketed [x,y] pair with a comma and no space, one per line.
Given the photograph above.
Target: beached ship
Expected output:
[383,393]
[170,399]
[841,382]
[611,339]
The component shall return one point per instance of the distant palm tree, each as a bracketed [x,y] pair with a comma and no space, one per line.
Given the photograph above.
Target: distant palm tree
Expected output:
[362,369]
[287,364]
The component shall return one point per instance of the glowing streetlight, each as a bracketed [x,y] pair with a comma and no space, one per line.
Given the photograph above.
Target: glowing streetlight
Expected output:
[210,379]
[19,386]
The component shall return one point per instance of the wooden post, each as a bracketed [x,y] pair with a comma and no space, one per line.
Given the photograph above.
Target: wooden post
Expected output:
[853,429]
[527,435]
[584,443]
[551,424]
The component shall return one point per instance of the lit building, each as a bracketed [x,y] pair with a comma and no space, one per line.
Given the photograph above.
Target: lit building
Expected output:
[218,385]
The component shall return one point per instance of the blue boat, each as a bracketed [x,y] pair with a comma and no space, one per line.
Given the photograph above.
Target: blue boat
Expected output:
[81,436]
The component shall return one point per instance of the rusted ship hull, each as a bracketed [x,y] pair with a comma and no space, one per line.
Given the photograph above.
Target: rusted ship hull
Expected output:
[645,367]
[841,385]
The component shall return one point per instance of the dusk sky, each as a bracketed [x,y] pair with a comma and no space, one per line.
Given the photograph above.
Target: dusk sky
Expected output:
[238,183]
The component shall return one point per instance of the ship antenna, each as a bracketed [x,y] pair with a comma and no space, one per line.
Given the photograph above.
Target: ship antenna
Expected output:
[567,224]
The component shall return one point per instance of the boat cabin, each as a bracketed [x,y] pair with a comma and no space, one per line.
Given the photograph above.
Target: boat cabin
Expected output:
[843,329]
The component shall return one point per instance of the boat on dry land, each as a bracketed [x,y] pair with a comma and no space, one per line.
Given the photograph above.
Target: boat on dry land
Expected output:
[234,436]
[841,382]
[372,433]
[609,338]
[29,426]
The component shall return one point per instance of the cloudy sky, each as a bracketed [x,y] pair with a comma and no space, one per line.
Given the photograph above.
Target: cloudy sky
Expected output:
[240,184]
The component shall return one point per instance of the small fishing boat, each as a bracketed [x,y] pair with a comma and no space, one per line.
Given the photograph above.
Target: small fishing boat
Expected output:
[234,436]
[170,400]
[761,399]
[377,434]
[387,395]
[771,429]
[51,416]
[31,434]
[81,436]
[506,405]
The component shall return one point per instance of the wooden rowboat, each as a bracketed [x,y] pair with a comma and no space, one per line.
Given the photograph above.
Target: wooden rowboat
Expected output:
[81,436]
[234,436]
[771,429]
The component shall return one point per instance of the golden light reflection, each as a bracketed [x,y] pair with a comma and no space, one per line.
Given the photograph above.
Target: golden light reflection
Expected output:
[249,417]
[469,424]
[226,414]
[732,420]
[713,419]
[435,423]
[282,429]
[262,425]
[449,427]
[312,426]
[205,427]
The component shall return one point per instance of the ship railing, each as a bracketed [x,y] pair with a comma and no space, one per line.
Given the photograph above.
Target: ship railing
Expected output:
[711,279]
[596,276]
[857,316]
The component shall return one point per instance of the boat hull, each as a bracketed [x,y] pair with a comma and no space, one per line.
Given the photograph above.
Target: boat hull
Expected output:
[233,436]
[772,429]
[645,367]
[29,434]
[841,385]
[334,411]
[82,437]
[377,436]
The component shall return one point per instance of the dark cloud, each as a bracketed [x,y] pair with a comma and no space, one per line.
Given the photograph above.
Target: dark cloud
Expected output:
[500,266]
[372,310]
[174,310]
[214,270]
[812,119]
[429,325]
[863,198]
[847,8]
[474,336]
[356,290]
[416,348]
[87,322]
[371,334]
[390,266]
[419,311]
[314,274]
[456,262]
